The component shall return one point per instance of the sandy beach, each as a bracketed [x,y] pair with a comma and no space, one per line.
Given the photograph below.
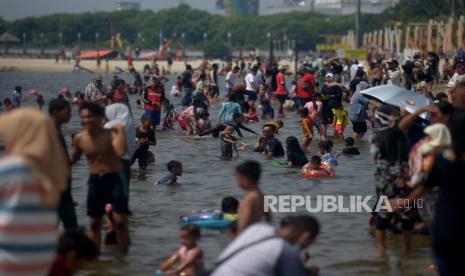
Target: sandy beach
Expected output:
[49,65]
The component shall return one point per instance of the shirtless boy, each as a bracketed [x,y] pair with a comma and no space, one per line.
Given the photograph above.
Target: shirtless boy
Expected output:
[103,149]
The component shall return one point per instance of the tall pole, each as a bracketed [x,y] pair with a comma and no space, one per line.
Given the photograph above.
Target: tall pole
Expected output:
[452,8]
[41,43]
[183,36]
[296,57]
[24,43]
[205,36]
[97,36]
[357,23]
[229,40]
[270,48]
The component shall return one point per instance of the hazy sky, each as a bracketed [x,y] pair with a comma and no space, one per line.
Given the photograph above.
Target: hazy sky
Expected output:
[13,9]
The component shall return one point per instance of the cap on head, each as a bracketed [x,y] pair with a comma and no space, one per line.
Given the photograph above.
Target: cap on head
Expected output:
[329,75]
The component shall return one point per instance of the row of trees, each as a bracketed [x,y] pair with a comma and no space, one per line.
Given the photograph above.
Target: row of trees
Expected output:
[143,28]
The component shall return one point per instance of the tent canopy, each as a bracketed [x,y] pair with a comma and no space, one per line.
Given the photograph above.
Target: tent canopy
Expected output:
[7,37]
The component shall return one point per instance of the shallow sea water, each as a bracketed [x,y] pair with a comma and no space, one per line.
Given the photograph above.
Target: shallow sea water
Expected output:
[344,247]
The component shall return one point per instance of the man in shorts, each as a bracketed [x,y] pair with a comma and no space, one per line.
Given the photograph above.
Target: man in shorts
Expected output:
[103,149]
[153,96]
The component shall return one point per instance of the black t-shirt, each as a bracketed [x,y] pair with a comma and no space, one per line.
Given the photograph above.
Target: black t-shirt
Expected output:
[273,145]
[449,222]
[187,80]
[351,151]
[227,148]
[149,135]
[297,158]
[336,68]
[334,94]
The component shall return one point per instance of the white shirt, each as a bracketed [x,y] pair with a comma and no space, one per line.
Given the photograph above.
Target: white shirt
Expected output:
[249,80]
[394,77]
[230,79]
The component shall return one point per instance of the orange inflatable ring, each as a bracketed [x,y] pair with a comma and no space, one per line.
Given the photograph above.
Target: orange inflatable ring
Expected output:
[325,170]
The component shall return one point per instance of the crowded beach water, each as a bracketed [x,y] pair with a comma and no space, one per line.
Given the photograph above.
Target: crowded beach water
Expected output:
[346,242]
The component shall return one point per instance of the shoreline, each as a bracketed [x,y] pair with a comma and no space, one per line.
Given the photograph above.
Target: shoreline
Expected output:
[50,66]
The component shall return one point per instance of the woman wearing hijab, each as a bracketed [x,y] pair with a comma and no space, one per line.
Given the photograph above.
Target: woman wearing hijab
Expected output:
[33,174]
[119,114]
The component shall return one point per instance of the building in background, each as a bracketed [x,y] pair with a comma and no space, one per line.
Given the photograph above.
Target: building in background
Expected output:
[242,7]
[127,6]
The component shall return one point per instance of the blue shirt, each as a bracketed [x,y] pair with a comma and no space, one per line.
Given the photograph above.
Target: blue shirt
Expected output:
[268,112]
[228,110]
[169,177]
[16,99]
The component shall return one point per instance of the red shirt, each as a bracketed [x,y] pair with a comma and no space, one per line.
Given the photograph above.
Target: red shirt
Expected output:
[281,82]
[153,95]
[309,82]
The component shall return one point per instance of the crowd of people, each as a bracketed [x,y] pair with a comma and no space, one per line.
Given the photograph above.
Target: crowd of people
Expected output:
[415,156]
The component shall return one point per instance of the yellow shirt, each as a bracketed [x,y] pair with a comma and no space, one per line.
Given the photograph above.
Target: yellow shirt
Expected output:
[341,116]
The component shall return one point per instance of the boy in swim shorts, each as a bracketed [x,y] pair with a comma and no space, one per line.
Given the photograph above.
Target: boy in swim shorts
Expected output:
[103,149]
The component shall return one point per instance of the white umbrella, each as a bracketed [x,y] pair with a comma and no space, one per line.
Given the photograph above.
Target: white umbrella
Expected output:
[398,96]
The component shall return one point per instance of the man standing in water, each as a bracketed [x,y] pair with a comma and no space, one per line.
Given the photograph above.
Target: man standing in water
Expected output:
[103,149]
[153,96]
[60,111]
[17,97]
[95,91]
[187,86]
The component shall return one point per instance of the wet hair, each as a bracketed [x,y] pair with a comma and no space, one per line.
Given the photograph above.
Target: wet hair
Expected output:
[250,169]
[441,95]
[315,159]
[77,241]
[236,68]
[233,97]
[138,101]
[458,135]
[57,105]
[303,112]
[360,73]
[446,108]
[349,141]
[308,223]
[18,88]
[192,230]
[94,109]
[173,164]
[229,126]
[61,97]
[229,205]
[145,117]
[292,145]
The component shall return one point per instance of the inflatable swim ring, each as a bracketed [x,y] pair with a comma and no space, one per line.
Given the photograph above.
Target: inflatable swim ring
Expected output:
[325,170]
[207,219]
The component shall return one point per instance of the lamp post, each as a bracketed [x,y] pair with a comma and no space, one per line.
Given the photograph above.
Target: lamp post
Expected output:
[24,43]
[79,39]
[205,36]
[229,39]
[41,43]
[183,38]
[60,38]
[97,36]
[270,48]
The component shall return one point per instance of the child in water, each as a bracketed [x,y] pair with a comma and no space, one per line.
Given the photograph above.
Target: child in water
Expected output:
[307,128]
[228,143]
[327,156]
[189,256]
[40,102]
[170,115]
[8,105]
[315,165]
[350,149]
[251,207]
[252,116]
[175,169]
[73,251]
[145,138]
[261,145]
[295,156]
[340,120]
[267,110]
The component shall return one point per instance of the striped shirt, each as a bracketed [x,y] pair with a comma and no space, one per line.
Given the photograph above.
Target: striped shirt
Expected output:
[28,232]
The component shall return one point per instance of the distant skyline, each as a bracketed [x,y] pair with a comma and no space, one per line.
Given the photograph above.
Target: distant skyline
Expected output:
[14,9]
